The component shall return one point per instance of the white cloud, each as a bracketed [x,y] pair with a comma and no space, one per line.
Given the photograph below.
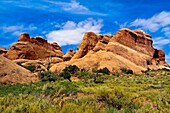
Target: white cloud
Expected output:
[159,42]
[72,33]
[75,7]
[54,6]
[11,28]
[166,31]
[154,23]
[17,29]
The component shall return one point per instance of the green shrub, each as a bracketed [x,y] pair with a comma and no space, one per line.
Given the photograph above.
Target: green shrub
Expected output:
[71,69]
[47,76]
[31,68]
[126,71]
[129,71]
[82,74]
[104,71]
[68,71]
[66,75]
[116,74]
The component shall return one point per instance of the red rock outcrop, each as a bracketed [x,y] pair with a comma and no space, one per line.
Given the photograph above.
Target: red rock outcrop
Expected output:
[91,41]
[3,51]
[127,48]
[135,39]
[10,72]
[24,37]
[33,48]
[70,53]
[158,57]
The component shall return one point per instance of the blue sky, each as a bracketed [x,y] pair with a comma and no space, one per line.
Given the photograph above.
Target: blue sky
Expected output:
[65,21]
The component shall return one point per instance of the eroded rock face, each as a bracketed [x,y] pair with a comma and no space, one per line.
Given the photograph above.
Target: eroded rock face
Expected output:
[91,41]
[127,48]
[24,37]
[159,58]
[12,73]
[70,53]
[88,43]
[3,51]
[135,39]
[33,49]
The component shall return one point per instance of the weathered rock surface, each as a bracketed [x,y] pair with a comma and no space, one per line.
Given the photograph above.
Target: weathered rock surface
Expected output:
[3,51]
[91,41]
[70,53]
[98,60]
[12,73]
[41,64]
[127,48]
[33,49]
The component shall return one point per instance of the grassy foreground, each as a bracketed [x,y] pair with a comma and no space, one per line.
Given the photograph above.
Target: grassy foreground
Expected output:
[129,93]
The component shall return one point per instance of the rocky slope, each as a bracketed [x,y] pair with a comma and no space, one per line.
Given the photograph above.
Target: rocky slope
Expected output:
[12,73]
[127,48]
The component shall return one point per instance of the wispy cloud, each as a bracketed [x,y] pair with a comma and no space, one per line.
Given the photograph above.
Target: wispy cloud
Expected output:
[72,6]
[72,33]
[16,30]
[159,42]
[75,7]
[154,23]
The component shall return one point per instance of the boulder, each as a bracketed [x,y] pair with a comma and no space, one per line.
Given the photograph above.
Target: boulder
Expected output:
[10,72]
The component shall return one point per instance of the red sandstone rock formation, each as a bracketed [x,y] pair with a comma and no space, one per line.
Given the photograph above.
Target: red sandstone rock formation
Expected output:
[127,48]
[33,48]
[3,51]
[91,41]
[10,72]
[70,53]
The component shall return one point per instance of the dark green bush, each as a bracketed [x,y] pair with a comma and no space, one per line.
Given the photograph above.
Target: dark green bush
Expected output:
[47,76]
[82,74]
[104,71]
[68,71]
[31,68]
[129,71]
[71,69]
[126,71]
[66,75]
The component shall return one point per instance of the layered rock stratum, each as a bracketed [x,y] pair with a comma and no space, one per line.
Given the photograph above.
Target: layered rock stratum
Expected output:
[127,48]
